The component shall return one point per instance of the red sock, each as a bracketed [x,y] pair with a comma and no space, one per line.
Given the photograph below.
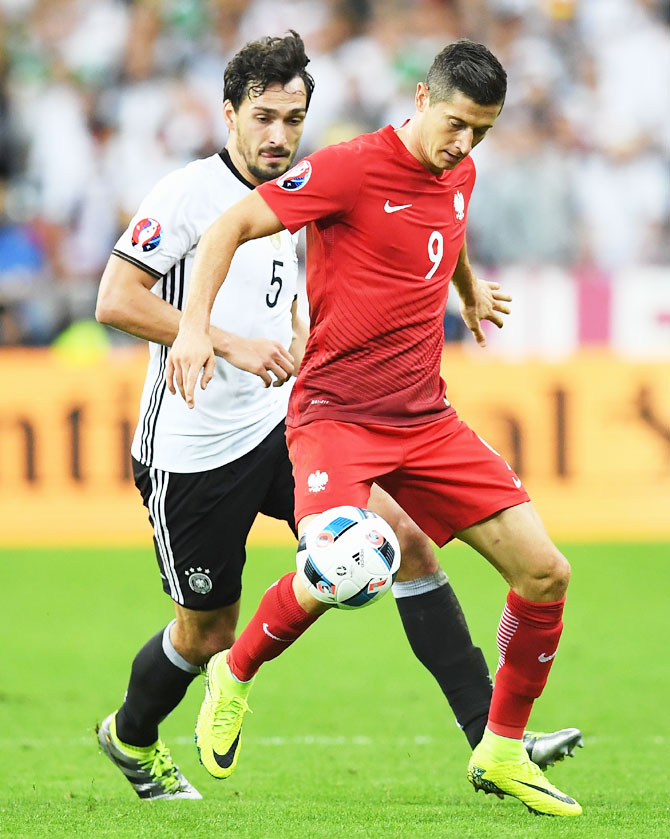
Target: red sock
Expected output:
[276,624]
[528,637]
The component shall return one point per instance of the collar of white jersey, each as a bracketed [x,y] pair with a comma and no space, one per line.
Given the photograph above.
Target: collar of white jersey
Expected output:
[223,154]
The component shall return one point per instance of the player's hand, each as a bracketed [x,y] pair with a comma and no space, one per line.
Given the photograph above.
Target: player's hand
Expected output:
[488,303]
[267,359]
[191,352]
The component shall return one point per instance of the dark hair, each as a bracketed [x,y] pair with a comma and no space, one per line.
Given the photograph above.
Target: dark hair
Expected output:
[470,69]
[264,62]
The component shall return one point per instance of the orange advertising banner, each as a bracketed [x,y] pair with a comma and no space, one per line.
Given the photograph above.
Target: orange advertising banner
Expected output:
[590,437]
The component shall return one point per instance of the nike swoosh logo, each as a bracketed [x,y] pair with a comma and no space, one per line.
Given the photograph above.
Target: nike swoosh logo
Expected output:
[266,630]
[517,483]
[224,761]
[564,798]
[389,208]
[544,658]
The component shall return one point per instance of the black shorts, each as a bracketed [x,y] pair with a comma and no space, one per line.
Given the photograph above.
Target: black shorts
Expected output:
[201,520]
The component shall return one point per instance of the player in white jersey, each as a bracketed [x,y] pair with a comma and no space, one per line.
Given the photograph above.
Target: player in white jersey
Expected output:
[236,413]
[204,474]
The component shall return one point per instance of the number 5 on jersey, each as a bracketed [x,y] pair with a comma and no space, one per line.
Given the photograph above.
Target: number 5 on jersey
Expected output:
[276,280]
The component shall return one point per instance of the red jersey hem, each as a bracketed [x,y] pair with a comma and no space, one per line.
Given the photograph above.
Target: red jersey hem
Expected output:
[371,419]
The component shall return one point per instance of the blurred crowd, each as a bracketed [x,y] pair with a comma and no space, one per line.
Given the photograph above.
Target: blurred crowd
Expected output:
[99,99]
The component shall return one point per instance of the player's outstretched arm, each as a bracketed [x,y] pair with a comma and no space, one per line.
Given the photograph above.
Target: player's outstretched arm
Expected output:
[126,302]
[480,299]
[192,350]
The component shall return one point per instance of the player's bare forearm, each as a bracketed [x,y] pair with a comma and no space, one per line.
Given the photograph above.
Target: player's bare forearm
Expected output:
[250,218]
[213,256]
[126,302]
[480,299]
[192,350]
[464,280]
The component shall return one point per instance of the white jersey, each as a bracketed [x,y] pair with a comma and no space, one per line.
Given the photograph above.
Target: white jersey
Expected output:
[236,411]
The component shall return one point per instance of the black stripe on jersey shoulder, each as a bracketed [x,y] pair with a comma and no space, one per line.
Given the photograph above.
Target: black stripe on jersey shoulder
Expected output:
[180,297]
[172,283]
[223,154]
[138,263]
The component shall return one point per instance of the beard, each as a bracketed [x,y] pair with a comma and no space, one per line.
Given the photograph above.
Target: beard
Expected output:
[270,170]
[267,171]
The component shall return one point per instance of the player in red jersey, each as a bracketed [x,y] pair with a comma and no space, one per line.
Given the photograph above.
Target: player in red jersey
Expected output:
[385,217]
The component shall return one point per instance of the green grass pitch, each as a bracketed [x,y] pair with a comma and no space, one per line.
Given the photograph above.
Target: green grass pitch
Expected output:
[349,736]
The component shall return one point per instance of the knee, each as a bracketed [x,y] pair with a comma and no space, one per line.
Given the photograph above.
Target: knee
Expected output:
[199,642]
[214,640]
[549,578]
[416,550]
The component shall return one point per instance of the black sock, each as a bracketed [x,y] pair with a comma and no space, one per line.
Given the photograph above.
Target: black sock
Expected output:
[438,634]
[156,687]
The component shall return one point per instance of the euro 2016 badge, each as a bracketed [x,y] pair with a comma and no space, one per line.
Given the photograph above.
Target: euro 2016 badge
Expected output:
[297,177]
[146,235]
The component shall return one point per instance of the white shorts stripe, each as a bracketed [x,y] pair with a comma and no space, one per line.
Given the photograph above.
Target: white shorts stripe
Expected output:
[159,484]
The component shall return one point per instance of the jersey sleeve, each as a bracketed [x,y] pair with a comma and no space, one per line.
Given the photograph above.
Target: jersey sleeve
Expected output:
[162,230]
[325,184]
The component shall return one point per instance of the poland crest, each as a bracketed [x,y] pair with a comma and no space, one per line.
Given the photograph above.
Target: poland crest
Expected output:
[459,205]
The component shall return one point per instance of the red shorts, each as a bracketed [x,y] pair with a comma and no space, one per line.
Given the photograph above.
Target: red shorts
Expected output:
[441,473]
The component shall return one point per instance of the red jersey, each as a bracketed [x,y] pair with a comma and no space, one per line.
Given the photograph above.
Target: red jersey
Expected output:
[383,239]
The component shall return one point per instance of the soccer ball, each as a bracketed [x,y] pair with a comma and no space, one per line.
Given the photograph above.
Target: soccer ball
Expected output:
[348,557]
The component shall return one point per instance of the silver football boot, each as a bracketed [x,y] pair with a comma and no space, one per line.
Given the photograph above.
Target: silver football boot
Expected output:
[546,749]
[151,770]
